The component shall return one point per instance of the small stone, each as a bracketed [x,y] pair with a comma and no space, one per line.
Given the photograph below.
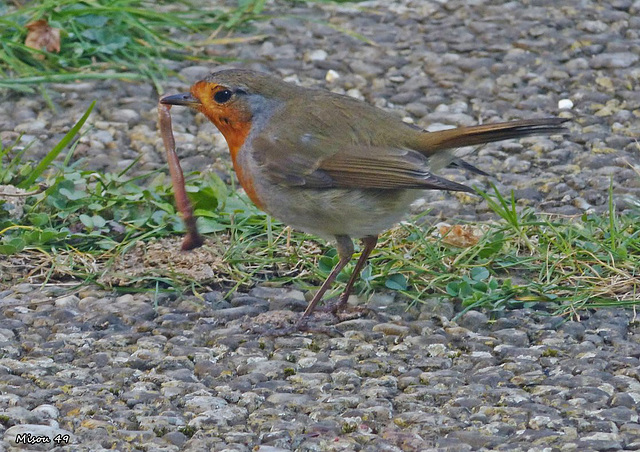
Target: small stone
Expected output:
[391,329]
[516,165]
[265,448]
[355,93]
[381,300]
[175,438]
[46,411]
[593,26]
[512,336]
[195,73]
[33,126]
[565,104]
[240,311]
[13,205]
[23,288]
[316,55]
[437,350]
[126,115]
[473,320]
[331,76]
[201,403]
[614,60]
[582,204]
[289,400]
[70,301]
[103,136]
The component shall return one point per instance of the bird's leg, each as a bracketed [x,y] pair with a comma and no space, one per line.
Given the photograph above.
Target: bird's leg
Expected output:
[345,252]
[369,243]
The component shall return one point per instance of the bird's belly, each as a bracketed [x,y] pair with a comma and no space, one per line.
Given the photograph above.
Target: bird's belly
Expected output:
[338,211]
[326,212]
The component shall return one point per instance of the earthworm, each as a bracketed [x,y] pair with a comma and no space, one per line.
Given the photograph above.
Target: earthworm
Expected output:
[192,239]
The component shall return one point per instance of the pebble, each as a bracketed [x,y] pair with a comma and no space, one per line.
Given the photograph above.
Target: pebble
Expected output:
[32,126]
[69,301]
[193,73]
[614,60]
[565,104]
[332,76]
[125,115]
[316,55]
[391,329]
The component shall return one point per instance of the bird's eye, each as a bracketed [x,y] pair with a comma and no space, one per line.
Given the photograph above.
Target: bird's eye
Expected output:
[222,96]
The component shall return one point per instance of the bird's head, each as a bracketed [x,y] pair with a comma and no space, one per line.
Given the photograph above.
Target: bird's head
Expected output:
[233,100]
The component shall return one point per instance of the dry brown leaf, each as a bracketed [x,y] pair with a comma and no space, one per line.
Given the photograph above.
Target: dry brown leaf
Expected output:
[42,36]
[460,236]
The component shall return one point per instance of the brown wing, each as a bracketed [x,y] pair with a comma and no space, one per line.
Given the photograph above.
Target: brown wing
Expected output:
[385,168]
[352,167]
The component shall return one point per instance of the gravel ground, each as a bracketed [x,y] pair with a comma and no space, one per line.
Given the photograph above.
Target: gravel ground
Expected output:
[132,372]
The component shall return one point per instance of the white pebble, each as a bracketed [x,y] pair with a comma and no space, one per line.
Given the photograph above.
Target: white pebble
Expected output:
[355,93]
[331,76]
[317,55]
[565,104]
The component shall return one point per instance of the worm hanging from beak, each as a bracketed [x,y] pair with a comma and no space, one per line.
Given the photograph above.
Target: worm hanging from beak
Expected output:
[192,239]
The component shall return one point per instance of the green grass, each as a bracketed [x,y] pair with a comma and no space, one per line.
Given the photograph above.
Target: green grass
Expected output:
[133,40]
[124,39]
[78,225]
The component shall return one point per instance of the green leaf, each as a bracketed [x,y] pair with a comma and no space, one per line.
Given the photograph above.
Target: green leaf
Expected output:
[479,273]
[72,195]
[453,288]
[365,274]
[38,237]
[12,246]
[159,217]
[622,253]
[397,281]
[86,220]
[98,221]
[202,198]
[38,219]
[208,225]
[326,264]
[481,286]
[493,247]
[465,290]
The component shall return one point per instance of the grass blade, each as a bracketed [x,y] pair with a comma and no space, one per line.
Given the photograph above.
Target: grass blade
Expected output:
[51,156]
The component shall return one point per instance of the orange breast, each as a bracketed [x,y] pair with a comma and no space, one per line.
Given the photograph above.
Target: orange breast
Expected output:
[246,180]
[236,133]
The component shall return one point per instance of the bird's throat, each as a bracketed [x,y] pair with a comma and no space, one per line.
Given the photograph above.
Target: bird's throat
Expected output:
[235,131]
[235,141]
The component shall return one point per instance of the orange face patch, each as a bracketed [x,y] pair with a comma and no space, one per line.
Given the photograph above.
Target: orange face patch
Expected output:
[233,120]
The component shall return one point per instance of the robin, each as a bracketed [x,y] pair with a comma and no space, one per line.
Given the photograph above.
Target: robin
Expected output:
[331,165]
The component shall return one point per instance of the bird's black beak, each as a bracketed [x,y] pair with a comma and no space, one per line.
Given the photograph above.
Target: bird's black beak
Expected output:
[183,99]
